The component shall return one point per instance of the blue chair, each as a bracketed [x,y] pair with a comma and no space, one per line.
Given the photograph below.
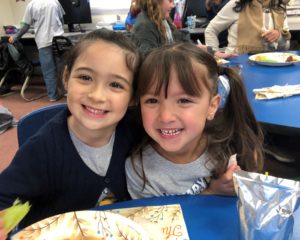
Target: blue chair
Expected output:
[33,121]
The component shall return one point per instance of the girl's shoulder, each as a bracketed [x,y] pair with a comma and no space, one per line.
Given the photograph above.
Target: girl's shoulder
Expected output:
[143,21]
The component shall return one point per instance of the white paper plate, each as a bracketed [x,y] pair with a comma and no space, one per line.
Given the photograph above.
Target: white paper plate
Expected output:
[83,225]
[222,61]
[274,59]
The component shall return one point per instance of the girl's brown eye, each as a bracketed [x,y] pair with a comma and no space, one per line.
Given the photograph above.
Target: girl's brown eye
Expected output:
[85,78]
[117,85]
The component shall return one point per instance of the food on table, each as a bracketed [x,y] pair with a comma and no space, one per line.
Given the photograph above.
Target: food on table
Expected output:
[221,61]
[277,57]
[265,58]
[14,214]
[292,58]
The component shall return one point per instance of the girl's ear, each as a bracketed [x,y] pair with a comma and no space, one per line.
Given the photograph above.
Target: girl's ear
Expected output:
[213,107]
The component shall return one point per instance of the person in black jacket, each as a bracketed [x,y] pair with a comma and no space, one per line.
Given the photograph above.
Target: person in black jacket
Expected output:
[79,154]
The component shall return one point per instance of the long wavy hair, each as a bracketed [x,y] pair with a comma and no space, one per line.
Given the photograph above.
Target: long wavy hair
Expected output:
[153,10]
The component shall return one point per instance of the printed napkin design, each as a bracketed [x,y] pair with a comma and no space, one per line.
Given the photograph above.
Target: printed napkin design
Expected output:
[276,92]
[160,222]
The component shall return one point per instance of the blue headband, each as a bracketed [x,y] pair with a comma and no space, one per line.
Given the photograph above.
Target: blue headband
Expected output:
[223,89]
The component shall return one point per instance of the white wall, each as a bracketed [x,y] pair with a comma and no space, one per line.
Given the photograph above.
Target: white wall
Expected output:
[11,12]
[6,14]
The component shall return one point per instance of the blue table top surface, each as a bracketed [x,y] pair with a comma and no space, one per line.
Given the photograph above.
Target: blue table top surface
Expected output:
[206,217]
[284,112]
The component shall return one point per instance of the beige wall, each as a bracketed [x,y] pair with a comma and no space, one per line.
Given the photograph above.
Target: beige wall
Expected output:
[18,9]
[11,13]
[6,15]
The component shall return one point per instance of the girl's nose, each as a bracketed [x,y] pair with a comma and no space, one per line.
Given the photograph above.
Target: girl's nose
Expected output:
[98,93]
[166,114]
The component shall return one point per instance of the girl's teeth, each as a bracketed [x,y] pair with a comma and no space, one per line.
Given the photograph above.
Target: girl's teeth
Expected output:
[93,110]
[170,132]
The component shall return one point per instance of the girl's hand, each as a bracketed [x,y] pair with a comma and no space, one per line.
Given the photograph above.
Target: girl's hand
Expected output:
[11,39]
[271,35]
[2,232]
[224,184]
[219,54]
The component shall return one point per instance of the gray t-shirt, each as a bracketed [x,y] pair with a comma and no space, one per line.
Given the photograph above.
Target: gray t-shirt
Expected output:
[97,159]
[165,177]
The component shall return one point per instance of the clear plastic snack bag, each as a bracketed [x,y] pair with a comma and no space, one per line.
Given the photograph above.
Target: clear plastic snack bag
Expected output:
[269,207]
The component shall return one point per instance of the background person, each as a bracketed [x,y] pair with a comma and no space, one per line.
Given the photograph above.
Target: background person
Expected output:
[46,16]
[153,27]
[212,8]
[134,10]
[191,136]
[246,32]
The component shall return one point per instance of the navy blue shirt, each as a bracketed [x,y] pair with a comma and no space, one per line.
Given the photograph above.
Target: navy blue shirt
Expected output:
[48,172]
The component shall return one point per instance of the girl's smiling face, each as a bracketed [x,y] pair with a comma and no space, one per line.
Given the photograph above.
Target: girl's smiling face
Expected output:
[99,90]
[166,7]
[176,122]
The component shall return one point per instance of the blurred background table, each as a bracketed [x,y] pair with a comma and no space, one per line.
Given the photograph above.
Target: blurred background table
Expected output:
[281,114]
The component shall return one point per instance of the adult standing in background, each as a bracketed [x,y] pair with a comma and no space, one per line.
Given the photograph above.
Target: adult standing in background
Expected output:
[46,16]
[247,32]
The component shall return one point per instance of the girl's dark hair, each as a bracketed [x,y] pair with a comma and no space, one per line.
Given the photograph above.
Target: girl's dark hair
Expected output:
[274,4]
[132,56]
[234,128]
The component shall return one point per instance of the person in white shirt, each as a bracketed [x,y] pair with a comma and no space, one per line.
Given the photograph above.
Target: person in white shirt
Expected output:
[46,17]
[253,26]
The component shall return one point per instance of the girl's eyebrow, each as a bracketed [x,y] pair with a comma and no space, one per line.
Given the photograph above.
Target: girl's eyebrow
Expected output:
[115,75]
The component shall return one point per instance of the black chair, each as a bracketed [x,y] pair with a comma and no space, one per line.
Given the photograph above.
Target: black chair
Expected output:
[33,121]
[60,45]
[18,62]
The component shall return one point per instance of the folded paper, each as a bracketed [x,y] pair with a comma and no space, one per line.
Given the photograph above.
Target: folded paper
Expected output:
[164,222]
[276,92]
